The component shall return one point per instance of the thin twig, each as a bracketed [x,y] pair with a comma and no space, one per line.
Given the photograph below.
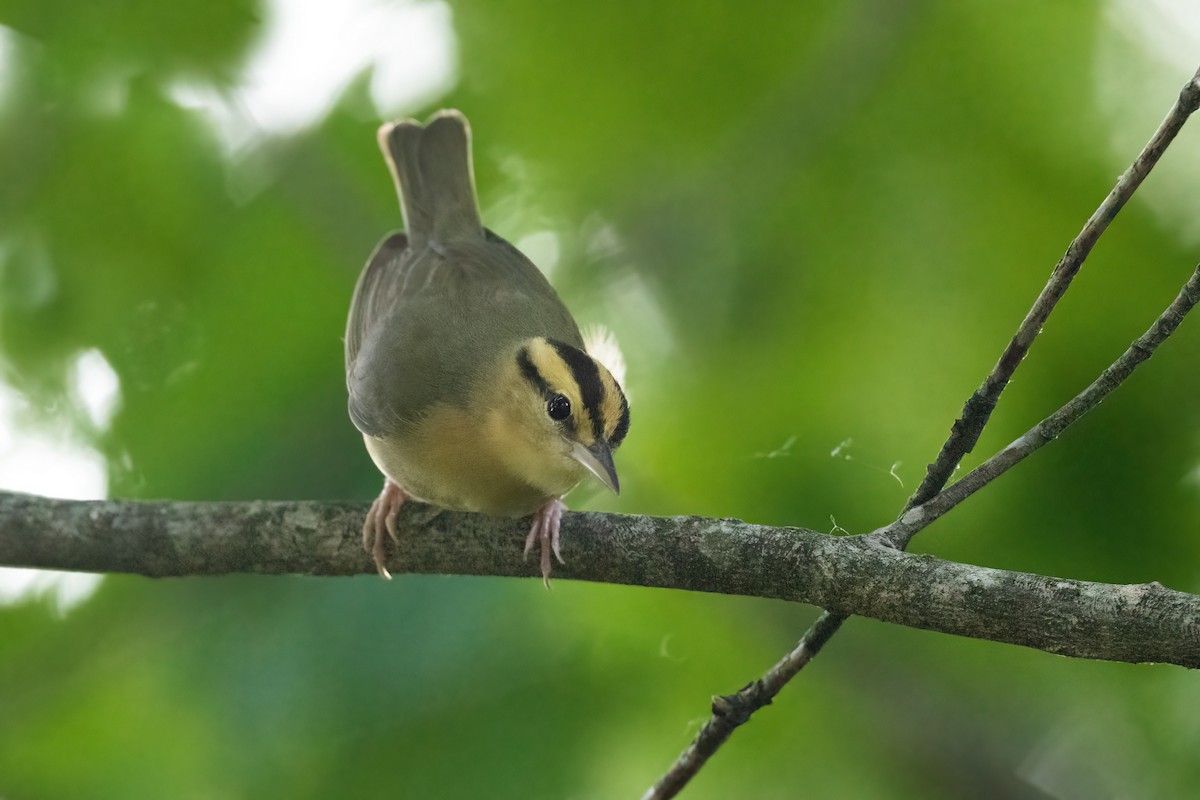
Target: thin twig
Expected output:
[730,711]
[965,432]
[900,532]
[967,428]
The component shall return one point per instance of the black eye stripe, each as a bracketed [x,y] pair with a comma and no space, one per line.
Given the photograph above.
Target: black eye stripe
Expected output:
[592,390]
[622,428]
[530,371]
[587,377]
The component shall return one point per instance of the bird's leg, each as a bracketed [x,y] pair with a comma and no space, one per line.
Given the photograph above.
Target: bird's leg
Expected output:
[381,518]
[546,521]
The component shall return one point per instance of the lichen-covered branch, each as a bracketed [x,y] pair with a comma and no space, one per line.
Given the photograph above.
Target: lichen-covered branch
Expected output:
[852,574]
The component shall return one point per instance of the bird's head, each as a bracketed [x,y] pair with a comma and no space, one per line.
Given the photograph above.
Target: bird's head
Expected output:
[561,418]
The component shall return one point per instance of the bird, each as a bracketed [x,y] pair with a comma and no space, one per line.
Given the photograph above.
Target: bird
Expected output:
[466,374]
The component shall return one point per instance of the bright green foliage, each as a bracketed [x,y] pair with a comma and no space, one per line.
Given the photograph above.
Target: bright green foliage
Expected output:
[813,226]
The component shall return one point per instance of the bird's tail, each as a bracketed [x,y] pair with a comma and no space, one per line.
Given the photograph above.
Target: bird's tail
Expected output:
[432,169]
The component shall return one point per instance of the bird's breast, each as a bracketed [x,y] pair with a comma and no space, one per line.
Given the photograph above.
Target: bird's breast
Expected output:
[448,459]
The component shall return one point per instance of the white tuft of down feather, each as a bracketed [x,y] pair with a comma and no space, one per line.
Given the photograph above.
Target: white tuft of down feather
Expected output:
[601,344]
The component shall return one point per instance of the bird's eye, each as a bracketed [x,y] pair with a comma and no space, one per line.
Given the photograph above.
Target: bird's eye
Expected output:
[558,407]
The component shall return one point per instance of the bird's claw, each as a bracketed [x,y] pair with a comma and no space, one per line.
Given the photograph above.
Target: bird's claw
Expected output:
[545,529]
[380,519]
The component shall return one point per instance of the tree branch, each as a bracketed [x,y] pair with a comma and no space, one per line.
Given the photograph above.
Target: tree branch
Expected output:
[978,409]
[900,532]
[731,711]
[850,574]
[964,434]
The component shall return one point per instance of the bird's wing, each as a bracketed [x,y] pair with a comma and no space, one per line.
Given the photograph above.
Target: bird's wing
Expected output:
[377,290]
[425,325]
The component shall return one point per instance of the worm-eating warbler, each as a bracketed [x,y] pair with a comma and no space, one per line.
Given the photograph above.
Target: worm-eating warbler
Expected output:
[467,376]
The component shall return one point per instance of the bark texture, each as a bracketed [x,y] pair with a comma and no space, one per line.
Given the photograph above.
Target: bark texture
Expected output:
[849,574]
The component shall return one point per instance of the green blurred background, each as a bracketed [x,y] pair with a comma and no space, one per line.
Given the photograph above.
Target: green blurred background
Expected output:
[809,229]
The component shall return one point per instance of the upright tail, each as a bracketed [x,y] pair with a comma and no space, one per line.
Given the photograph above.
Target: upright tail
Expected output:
[432,169]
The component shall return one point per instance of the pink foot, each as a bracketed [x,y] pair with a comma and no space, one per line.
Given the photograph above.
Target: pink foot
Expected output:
[545,529]
[381,518]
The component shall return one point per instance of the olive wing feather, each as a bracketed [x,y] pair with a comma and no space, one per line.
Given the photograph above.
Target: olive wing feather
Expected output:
[425,326]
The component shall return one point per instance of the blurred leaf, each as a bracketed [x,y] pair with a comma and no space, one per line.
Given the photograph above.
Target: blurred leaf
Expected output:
[813,232]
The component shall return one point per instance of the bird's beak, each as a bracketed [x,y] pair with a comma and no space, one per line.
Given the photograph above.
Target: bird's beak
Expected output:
[598,460]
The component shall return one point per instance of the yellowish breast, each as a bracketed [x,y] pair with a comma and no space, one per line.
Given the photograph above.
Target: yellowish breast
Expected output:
[457,460]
